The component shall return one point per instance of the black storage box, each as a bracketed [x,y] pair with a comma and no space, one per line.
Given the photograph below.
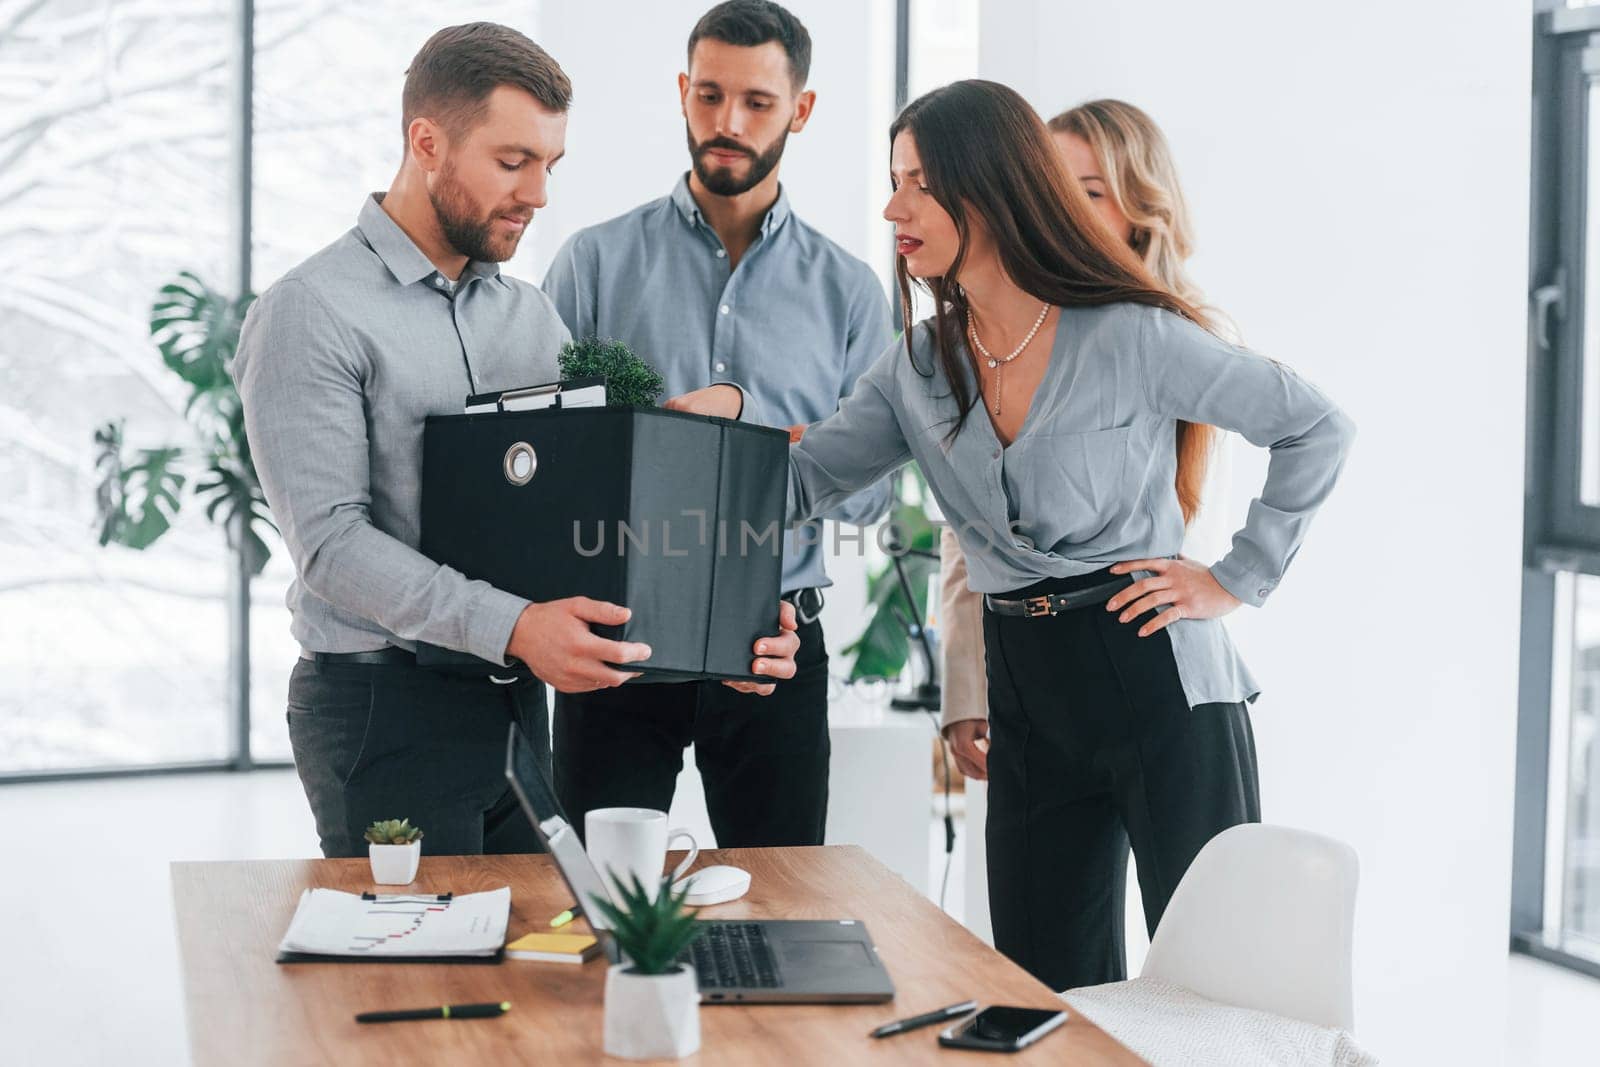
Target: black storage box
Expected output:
[678,517]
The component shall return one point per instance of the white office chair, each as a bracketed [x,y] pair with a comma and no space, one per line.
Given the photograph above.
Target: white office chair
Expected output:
[1263,920]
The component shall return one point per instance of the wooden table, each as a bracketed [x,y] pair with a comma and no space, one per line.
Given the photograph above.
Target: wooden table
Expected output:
[244,1008]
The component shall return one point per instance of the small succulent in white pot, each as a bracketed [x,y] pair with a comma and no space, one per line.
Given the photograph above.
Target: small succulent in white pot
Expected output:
[395,848]
[652,1000]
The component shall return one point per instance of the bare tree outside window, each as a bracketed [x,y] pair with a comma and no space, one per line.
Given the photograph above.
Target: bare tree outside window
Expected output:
[114,150]
[118,170]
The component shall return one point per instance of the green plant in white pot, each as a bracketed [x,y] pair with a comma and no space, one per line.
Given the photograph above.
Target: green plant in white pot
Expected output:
[394,847]
[652,1000]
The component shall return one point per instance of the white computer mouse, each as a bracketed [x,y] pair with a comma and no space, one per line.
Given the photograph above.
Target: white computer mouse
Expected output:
[714,885]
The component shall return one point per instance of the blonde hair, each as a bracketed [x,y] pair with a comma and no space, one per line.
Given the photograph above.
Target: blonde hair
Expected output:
[1143,183]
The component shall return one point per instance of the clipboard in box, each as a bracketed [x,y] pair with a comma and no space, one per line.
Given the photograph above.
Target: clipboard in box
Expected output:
[572,393]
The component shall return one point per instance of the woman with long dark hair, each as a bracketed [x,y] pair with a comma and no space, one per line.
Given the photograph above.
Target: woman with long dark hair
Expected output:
[1045,402]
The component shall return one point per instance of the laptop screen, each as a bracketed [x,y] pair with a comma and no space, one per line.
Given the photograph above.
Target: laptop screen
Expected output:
[523,771]
[550,823]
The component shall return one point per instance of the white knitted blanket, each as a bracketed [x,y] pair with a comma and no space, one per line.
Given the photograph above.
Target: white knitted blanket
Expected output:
[1166,1024]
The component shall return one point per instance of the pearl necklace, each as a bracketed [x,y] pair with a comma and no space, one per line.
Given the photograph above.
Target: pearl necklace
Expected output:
[998,365]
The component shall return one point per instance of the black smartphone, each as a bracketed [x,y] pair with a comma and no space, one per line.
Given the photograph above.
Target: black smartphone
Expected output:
[1002,1029]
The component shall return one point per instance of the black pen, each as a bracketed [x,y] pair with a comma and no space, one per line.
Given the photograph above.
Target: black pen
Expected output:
[447,1011]
[937,1016]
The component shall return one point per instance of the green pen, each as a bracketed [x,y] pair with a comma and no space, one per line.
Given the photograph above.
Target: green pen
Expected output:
[447,1011]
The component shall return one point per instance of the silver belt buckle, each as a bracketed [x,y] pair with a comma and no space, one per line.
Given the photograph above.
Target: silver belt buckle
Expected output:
[800,612]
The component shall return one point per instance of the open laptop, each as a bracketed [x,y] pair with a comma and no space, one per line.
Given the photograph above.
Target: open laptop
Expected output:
[818,961]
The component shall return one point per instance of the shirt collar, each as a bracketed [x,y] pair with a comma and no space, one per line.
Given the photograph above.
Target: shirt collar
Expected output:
[401,254]
[683,200]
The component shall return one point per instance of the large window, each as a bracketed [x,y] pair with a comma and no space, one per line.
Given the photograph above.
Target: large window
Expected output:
[1556,892]
[1576,704]
[123,156]
[114,175]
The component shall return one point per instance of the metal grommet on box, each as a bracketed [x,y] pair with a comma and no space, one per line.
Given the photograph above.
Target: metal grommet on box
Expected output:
[520,463]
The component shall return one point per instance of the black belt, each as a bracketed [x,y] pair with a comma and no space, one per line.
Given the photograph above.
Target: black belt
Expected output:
[383,657]
[1055,603]
[399,657]
[803,599]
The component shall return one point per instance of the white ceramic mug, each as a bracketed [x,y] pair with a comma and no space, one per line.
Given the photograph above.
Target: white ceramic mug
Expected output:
[628,843]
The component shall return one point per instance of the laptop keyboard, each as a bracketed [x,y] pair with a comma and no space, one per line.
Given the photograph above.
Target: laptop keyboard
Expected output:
[733,955]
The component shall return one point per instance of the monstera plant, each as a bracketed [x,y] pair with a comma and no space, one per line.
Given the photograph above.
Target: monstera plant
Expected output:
[139,495]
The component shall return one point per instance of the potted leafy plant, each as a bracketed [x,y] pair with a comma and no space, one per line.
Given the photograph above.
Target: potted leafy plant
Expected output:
[652,1000]
[394,848]
[630,381]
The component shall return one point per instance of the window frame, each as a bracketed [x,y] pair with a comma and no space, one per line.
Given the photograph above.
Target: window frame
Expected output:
[1561,536]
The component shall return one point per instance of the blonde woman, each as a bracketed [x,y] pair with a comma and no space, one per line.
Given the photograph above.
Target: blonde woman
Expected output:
[1122,161]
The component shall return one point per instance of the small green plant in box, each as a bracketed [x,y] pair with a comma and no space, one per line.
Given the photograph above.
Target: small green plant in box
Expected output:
[630,381]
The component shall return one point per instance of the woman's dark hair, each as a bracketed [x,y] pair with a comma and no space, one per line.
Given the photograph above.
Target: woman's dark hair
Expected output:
[988,159]
[749,23]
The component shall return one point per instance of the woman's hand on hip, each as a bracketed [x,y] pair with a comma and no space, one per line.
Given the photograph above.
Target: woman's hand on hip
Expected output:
[969,744]
[1187,589]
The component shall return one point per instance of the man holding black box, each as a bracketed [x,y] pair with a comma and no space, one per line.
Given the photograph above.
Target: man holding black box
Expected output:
[719,282]
[339,363]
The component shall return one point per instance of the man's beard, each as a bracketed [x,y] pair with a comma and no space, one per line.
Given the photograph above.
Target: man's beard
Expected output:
[722,180]
[469,233]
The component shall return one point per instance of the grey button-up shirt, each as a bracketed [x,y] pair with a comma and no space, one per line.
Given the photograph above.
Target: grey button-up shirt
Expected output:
[339,362]
[1088,482]
[794,325]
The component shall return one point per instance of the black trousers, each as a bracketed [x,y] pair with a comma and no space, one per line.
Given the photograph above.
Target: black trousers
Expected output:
[396,741]
[763,760]
[1093,746]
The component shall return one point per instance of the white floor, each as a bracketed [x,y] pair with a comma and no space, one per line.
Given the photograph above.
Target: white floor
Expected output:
[89,968]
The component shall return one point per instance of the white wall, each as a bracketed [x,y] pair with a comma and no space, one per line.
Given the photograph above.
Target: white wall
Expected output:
[625,145]
[1359,175]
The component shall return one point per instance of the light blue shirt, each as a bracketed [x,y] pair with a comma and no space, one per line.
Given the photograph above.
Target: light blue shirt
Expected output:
[794,325]
[1088,482]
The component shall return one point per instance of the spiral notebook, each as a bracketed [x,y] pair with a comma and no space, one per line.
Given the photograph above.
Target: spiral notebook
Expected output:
[333,926]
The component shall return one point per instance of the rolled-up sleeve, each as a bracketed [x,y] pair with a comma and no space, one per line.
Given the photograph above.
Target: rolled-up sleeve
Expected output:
[1190,374]
[300,375]
[851,449]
